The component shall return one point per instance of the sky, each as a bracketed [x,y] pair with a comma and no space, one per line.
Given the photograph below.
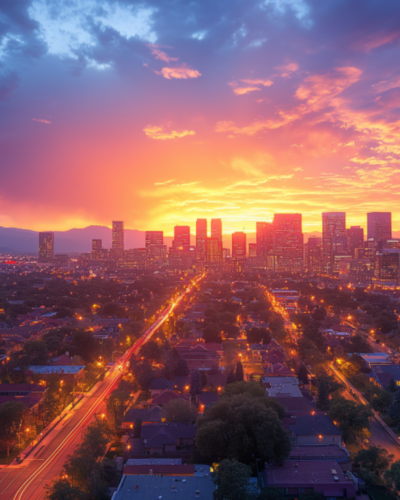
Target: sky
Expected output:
[164,111]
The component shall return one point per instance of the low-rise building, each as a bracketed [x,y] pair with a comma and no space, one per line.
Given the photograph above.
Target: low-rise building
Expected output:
[316,428]
[276,386]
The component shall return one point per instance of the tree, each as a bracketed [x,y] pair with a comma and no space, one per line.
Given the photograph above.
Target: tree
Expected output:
[11,414]
[151,351]
[231,378]
[392,385]
[243,428]
[85,345]
[353,418]
[144,375]
[212,333]
[232,481]
[203,379]
[392,475]
[180,412]
[394,408]
[195,383]
[254,390]
[312,495]
[111,309]
[374,459]
[382,401]
[117,404]
[323,402]
[62,489]
[181,368]
[239,372]
[303,375]
[258,335]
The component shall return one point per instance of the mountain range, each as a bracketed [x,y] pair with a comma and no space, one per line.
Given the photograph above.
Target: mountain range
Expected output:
[14,240]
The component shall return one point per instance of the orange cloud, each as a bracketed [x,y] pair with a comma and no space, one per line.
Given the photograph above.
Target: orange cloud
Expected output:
[253,85]
[41,120]
[265,83]
[180,73]
[287,69]
[159,54]
[158,133]
[374,41]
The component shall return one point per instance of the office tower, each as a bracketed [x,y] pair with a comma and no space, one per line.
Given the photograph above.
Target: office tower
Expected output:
[264,238]
[213,249]
[201,239]
[154,238]
[355,239]
[238,245]
[253,250]
[386,267]
[181,238]
[97,249]
[333,238]
[118,239]
[288,242]
[216,232]
[313,254]
[379,225]
[226,254]
[46,246]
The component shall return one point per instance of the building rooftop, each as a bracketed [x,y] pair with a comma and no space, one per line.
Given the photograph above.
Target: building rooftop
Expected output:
[167,487]
[315,425]
[160,470]
[317,452]
[60,370]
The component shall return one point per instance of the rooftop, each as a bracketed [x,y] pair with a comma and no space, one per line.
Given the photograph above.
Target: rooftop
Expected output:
[315,425]
[62,369]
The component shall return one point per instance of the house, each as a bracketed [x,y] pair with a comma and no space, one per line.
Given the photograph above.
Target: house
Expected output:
[68,373]
[381,375]
[317,453]
[32,403]
[295,478]
[164,439]
[206,399]
[295,404]
[63,360]
[145,416]
[159,385]
[166,396]
[199,357]
[376,358]
[166,487]
[22,390]
[316,429]
[276,386]
[278,370]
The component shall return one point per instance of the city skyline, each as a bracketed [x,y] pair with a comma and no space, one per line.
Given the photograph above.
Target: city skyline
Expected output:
[242,112]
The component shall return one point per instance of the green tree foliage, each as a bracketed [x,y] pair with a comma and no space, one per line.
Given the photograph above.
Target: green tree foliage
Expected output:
[35,352]
[11,414]
[143,373]
[323,401]
[180,412]
[254,390]
[84,462]
[117,403]
[239,372]
[392,475]
[353,418]
[85,345]
[394,408]
[319,313]
[151,351]
[111,309]
[374,459]
[195,383]
[358,344]
[212,333]
[244,428]
[61,489]
[382,401]
[232,481]
[231,378]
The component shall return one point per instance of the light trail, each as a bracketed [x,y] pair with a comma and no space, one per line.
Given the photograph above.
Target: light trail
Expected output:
[116,373]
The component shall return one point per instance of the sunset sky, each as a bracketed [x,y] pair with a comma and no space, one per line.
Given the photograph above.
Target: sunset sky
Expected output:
[160,112]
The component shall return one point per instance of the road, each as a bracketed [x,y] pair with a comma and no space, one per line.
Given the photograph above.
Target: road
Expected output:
[28,479]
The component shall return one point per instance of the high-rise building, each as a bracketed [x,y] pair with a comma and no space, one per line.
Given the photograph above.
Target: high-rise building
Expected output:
[46,246]
[118,239]
[265,238]
[226,254]
[154,238]
[216,232]
[201,239]
[333,238]
[97,249]
[386,267]
[252,250]
[288,242]
[313,254]
[213,248]
[181,238]
[239,245]
[355,239]
[379,225]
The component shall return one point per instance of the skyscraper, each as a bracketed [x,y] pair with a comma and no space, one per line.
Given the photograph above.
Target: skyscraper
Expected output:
[264,238]
[355,239]
[154,238]
[201,239]
[379,225]
[46,246]
[118,239]
[97,247]
[288,242]
[238,245]
[252,250]
[213,249]
[333,238]
[216,232]
[181,238]
[313,254]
